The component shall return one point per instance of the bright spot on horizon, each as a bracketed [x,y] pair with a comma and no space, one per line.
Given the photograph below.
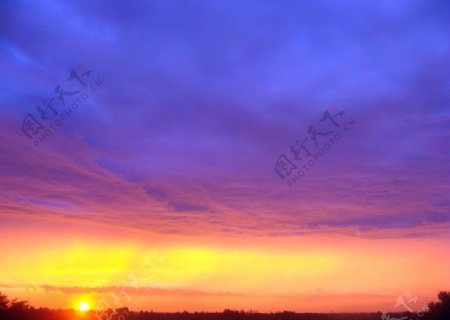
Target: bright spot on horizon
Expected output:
[84,306]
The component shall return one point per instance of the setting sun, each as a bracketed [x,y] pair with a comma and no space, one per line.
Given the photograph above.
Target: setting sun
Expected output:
[84,306]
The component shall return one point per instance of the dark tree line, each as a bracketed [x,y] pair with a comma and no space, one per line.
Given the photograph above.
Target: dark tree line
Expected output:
[21,310]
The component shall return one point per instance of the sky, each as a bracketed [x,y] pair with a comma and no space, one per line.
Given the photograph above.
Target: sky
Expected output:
[151,154]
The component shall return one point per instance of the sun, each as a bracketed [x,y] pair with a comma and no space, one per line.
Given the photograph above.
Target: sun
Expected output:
[84,306]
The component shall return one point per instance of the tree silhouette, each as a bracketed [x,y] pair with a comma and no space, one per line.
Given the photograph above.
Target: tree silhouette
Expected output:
[440,310]
[14,309]
[3,301]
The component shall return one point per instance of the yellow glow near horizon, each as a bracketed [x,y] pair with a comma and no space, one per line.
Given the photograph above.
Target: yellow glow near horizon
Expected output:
[213,278]
[244,270]
[87,264]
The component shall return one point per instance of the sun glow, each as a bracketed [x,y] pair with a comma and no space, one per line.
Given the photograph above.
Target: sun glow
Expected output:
[84,306]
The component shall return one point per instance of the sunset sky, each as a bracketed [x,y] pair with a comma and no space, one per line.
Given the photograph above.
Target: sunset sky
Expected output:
[156,189]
